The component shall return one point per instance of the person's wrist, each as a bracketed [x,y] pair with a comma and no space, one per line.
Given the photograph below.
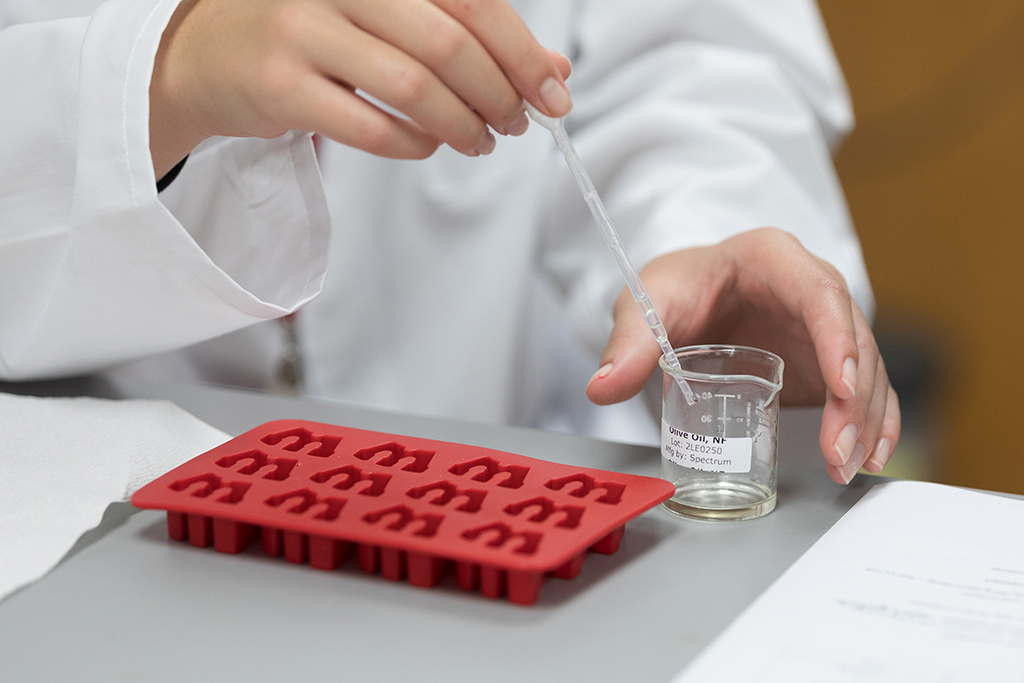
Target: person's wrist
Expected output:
[175,127]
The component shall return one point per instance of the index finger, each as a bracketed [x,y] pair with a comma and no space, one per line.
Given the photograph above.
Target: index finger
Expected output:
[526,63]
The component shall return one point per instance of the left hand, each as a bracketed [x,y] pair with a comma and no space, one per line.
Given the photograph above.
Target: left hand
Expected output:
[763,289]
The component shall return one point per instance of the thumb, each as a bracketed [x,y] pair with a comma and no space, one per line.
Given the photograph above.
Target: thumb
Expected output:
[628,360]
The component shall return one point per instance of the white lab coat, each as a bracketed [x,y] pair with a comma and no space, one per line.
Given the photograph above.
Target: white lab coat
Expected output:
[479,289]
[94,269]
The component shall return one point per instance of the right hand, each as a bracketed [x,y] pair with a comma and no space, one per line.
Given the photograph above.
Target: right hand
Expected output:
[258,68]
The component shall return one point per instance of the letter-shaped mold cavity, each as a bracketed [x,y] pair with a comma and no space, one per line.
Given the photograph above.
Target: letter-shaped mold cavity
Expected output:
[393,453]
[543,508]
[610,543]
[298,438]
[522,587]
[445,492]
[403,516]
[235,490]
[421,569]
[306,499]
[612,490]
[501,533]
[491,468]
[352,475]
[282,467]
[227,536]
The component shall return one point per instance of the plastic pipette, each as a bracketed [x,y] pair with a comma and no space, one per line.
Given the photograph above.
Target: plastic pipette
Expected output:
[636,287]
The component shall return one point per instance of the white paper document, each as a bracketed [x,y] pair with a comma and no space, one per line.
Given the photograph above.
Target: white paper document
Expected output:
[918,582]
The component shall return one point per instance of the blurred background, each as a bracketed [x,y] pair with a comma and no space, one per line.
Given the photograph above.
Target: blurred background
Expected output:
[934,174]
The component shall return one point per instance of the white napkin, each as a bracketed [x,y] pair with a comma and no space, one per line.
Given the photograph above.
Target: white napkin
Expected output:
[63,460]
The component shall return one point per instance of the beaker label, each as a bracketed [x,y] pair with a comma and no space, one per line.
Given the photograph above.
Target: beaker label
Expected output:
[708,453]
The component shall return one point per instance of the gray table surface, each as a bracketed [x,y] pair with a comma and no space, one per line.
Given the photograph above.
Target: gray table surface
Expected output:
[128,604]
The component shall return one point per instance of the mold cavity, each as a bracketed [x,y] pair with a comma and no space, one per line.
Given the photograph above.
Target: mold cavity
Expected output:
[299,438]
[404,516]
[446,492]
[306,499]
[491,469]
[257,461]
[369,558]
[394,453]
[502,533]
[235,490]
[352,475]
[545,508]
[612,490]
[467,575]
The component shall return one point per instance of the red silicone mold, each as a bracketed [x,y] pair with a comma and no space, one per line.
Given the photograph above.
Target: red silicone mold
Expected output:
[406,507]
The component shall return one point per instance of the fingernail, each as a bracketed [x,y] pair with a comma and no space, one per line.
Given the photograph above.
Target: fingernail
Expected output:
[555,97]
[856,461]
[844,442]
[602,372]
[883,449]
[568,60]
[518,125]
[486,145]
[850,375]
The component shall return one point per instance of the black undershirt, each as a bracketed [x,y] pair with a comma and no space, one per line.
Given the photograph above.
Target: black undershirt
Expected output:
[166,181]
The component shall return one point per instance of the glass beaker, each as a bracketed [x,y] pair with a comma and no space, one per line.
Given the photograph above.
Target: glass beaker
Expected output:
[721,452]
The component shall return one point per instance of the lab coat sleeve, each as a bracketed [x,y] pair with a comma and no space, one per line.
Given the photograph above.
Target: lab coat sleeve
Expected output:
[95,268]
[699,119]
